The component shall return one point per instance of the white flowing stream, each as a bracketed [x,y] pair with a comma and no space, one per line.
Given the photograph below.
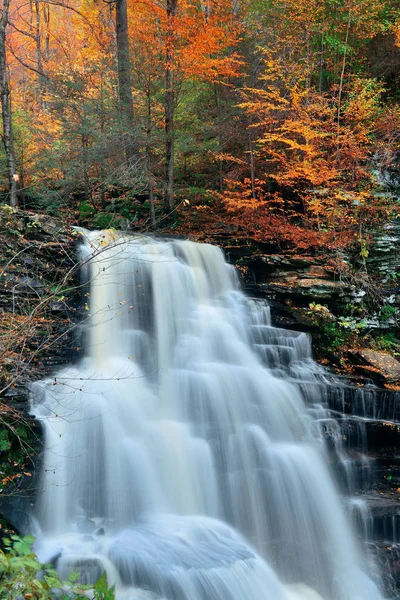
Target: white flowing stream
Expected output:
[175,459]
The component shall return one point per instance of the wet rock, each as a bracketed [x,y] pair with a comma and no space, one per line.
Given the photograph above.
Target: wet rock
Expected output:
[379,363]
[388,558]
[47,224]
[37,253]
[312,288]
[16,502]
[382,522]
[87,526]
[385,255]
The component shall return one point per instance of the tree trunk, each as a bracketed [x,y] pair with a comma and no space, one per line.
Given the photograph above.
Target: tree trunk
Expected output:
[5,107]
[39,57]
[149,160]
[169,201]
[85,166]
[102,149]
[252,167]
[46,15]
[219,137]
[151,192]
[124,78]
[343,69]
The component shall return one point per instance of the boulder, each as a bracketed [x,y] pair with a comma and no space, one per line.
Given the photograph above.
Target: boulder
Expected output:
[379,363]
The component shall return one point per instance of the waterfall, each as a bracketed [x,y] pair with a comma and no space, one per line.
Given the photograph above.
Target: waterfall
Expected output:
[185,453]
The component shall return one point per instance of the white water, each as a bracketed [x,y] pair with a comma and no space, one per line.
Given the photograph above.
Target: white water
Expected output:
[174,459]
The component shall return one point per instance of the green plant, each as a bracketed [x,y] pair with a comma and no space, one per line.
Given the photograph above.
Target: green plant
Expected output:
[388,312]
[5,443]
[86,210]
[335,335]
[22,576]
[354,309]
[387,341]
[103,220]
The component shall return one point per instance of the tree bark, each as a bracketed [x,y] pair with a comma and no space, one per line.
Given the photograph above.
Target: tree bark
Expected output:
[6,110]
[343,69]
[149,160]
[169,200]
[252,167]
[124,78]
[42,81]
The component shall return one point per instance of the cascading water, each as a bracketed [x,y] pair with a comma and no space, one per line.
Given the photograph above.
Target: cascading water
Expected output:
[177,461]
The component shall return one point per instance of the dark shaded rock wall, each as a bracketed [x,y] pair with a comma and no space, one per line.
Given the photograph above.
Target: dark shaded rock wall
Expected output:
[39,309]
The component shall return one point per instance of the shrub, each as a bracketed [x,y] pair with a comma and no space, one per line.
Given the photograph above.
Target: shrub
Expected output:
[23,577]
[103,220]
[86,210]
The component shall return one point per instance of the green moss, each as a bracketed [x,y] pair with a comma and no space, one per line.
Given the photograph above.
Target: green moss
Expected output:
[5,443]
[86,210]
[103,220]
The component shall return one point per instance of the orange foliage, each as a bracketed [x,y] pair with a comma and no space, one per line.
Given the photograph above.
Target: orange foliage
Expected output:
[63,54]
[313,148]
[308,119]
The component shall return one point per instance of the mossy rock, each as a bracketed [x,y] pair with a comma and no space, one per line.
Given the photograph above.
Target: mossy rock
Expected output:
[103,220]
[10,221]
[86,210]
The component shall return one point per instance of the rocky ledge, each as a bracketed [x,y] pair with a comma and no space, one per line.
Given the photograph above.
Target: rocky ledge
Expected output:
[39,311]
[381,365]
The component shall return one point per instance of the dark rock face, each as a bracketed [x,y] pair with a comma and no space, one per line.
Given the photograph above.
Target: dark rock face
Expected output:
[289,280]
[39,309]
[385,255]
[40,287]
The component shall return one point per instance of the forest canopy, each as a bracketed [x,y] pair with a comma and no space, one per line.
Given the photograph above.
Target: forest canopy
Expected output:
[280,117]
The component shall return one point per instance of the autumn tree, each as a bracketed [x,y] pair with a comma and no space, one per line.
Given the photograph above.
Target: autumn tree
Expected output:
[121,107]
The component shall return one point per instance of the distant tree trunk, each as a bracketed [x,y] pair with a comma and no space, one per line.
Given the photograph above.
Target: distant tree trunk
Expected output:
[219,137]
[169,201]
[102,149]
[151,191]
[46,16]
[42,81]
[5,107]
[149,160]
[252,167]
[85,165]
[124,78]
[343,69]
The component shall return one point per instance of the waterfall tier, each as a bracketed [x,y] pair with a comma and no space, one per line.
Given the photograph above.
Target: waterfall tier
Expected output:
[186,454]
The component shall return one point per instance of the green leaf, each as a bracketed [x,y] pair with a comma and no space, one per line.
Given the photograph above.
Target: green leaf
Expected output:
[53,582]
[28,539]
[74,576]
[3,563]
[101,586]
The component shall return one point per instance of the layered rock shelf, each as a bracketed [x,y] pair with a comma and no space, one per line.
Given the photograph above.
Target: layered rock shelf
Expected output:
[364,403]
